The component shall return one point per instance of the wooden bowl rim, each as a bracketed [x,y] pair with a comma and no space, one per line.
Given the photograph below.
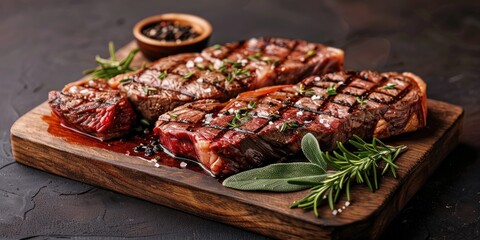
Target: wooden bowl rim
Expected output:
[194,20]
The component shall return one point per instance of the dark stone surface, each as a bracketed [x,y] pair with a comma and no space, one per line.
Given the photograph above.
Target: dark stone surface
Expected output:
[46,44]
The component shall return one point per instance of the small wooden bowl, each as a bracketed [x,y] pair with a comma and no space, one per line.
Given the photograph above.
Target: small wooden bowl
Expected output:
[155,49]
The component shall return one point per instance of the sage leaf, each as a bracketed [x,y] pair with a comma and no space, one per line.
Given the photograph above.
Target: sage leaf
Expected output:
[312,151]
[276,177]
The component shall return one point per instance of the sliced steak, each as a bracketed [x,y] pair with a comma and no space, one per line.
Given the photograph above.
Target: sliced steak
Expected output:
[222,72]
[93,108]
[267,125]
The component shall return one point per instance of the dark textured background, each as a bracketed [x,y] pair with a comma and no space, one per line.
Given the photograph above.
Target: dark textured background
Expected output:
[46,44]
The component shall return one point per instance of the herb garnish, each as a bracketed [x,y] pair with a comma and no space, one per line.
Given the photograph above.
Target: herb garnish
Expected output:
[145,122]
[229,77]
[126,80]
[172,115]
[109,68]
[390,86]
[200,66]
[288,125]
[252,105]
[360,166]
[255,57]
[163,75]
[188,75]
[310,54]
[217,46]
[362,101]
[305,92]
[240,117]
[331,90]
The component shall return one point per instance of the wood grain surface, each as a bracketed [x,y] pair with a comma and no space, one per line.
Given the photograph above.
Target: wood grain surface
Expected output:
[261,212]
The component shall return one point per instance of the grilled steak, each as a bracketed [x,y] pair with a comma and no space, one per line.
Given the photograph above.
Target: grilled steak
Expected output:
[93,108]
[267,125]
[222,72]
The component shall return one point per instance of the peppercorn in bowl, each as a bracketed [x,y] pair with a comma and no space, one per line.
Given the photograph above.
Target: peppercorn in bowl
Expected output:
[167,34]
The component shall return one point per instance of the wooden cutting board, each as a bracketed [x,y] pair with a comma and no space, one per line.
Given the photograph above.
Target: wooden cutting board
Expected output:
[38,141]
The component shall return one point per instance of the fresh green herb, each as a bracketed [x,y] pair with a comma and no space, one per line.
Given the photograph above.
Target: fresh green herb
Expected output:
[240,117]
[188,75]
[288,125]
[145,122]
[275,63]
[163,75]
[217,46]
[362,101]
[267,60]
[252,105]
[310,54]
[273,116]
[275,177]
[390,86]
[126,80]
[237,65]
[222,69]
[210,67]
[173,115]
[229,77]
[331,90]
[255,57]
[109,68]
[200,66]
[361,166]
[305,92]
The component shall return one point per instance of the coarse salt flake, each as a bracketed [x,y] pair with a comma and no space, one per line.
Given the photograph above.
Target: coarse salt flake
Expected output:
[299,113]
[190,64]
[183,164]
[347,203]
[200,80]
[217,64]
[157,165]
[208,90]
[334,212]
[317,79]
[315,97]
[198,59]
[217,52]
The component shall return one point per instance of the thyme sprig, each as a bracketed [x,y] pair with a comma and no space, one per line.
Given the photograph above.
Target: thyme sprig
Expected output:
[361,166]
[241,116]
[111,67]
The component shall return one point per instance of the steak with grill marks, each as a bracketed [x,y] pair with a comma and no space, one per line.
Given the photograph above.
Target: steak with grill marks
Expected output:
[222,72]
[92,107]
[267,125]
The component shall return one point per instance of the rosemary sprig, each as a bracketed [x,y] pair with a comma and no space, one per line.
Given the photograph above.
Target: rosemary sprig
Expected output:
[111,67]
[361,166]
